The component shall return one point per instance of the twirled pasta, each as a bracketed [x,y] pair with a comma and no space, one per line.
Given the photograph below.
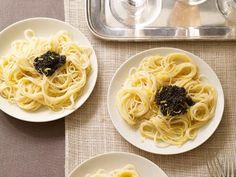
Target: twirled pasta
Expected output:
[136,103]
[127,171]
[20,82]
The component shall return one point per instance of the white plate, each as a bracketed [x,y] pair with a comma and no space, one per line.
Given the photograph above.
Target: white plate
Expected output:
[44,27]
[133,135]
[111,161]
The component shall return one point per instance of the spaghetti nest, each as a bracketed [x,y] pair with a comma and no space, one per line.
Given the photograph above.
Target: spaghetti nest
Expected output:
[22,84]
[137,106]
[127,171]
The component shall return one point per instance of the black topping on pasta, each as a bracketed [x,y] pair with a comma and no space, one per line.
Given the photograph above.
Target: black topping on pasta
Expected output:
[173,100]
[49,62]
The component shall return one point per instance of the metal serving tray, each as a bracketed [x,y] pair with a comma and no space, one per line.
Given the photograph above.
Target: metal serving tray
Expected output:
[202,22]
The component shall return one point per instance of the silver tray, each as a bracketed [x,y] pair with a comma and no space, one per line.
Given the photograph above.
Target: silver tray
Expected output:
[210,24]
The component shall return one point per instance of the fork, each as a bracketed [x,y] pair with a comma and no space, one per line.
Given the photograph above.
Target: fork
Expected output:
[229,166]
[216,169]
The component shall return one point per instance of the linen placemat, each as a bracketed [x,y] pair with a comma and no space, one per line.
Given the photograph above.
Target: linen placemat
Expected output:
[31,149]
[89,130]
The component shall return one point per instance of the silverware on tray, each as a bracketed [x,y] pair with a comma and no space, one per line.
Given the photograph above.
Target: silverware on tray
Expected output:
[126,20]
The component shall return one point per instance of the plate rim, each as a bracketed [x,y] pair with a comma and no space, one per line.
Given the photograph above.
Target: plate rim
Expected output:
[115,153]
[95,63]
[148,51]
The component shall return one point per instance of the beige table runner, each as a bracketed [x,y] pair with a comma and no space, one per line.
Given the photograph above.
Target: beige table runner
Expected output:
[89,131]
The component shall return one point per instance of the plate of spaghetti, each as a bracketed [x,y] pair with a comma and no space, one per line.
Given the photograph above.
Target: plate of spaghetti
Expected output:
[165,101]
[48,69]
[118,164]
